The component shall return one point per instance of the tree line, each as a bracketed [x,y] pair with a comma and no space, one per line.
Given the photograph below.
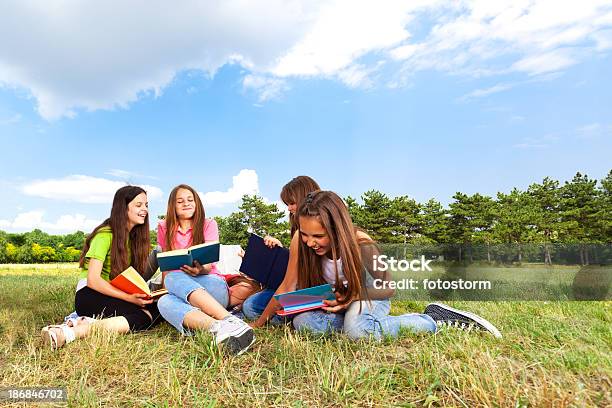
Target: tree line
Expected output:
[532,225]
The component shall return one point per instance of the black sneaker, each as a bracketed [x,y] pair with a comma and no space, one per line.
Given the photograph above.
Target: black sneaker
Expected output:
[447,316]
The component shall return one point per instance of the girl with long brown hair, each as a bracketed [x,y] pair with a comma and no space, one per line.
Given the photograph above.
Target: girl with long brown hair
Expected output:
[198,295]
[122,240]
[332,250]
[292,194]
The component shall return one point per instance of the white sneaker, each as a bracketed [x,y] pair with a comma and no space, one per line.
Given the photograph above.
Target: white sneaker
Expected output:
[234,334]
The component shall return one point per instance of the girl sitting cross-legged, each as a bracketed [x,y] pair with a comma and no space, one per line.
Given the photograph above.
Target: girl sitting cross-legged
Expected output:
[331,250]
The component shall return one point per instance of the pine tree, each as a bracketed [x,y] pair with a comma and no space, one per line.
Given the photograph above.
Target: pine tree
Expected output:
[547,216]
[434,221]
[579,210]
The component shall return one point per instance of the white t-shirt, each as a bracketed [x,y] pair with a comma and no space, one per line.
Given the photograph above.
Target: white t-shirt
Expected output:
[329,272]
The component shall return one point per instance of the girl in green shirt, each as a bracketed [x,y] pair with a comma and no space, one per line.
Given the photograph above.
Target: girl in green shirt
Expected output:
[122,240]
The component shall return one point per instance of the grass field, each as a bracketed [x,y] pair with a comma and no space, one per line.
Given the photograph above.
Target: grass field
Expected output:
[552,354]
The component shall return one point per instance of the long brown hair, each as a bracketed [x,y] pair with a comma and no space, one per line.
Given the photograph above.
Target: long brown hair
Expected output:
[332,213]
[197,221]
[294,192]
[118,224]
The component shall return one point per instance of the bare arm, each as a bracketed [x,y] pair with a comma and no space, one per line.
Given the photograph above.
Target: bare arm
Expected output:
[288,285]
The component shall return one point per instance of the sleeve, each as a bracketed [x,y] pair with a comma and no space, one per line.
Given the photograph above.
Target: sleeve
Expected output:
[99,247]
[211,230]
[373,276]
[161,235]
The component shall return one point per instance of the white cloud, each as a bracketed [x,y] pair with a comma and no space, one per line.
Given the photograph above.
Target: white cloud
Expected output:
[245,182]
[276,40]
[30,220]
[479,38]
[345,30]
[127,50]
[479,93]
[267,88]
[357,75]
[543,63]
[82,189]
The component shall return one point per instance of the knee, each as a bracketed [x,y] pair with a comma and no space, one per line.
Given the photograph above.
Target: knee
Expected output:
[362,326]
[163,303]
[248,309]
[302,321]
[310,322]
[217,288]
[170,281]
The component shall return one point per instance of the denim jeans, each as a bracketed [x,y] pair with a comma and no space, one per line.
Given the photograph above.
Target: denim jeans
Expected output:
[175,305]
[255,304]
[372,321]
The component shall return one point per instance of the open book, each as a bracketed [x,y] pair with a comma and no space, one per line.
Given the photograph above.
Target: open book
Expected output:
[304,299]
[131,282]
[204,253]
[266,265]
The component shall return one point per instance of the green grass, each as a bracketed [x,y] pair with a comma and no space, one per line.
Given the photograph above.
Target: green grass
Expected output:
[552,354]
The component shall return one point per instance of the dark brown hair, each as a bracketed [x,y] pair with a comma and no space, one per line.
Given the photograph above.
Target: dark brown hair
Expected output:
[332,213]
[197,221]
[118,224]
[294,192]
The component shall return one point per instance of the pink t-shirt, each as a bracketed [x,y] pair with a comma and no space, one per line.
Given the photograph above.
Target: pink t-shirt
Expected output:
[184,239]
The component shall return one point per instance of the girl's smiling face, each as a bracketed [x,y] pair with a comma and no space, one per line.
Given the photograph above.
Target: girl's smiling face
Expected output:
[138,209]
[315,235]
[184,204]
[292,207]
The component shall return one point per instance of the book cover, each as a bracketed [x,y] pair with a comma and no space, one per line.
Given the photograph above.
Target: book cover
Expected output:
[131,282]
[203,253]
[266,265]
[304,299]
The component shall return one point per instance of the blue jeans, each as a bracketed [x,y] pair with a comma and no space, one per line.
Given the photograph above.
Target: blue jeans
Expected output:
[175,305]
[372,321]
[255,304]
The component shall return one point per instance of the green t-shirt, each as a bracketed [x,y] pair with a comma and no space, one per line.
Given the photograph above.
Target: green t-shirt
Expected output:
[100,249]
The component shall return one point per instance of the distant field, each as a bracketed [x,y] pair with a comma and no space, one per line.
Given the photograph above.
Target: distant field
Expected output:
[552,354]
[525,282]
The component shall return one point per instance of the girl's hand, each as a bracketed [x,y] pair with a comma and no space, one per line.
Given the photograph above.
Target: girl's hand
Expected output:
[197,269]
[139,299]
[256,323]
[241,253]
[334,307]
[271,242]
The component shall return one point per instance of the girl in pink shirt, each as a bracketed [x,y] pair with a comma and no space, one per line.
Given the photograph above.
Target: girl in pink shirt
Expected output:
[197,294]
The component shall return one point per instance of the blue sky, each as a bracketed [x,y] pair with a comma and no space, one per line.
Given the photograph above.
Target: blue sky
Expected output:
[422,100]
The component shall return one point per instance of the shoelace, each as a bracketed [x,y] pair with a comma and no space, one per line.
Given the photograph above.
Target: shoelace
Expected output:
[214,328]
[455,324]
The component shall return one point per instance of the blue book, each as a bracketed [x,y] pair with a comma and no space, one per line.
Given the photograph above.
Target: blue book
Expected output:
[266,265]
[304,299]
[204,253]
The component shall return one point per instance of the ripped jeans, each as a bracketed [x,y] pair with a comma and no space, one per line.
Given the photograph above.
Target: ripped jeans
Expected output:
[175,305]
[372,321]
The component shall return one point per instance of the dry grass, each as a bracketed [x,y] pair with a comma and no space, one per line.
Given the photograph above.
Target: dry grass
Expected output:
[552,354]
